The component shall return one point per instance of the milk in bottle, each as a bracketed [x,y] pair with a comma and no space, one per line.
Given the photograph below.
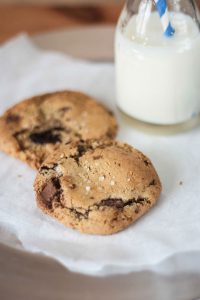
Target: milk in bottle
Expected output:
[158,78]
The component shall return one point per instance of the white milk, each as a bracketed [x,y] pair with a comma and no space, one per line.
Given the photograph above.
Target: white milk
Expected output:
[158,78]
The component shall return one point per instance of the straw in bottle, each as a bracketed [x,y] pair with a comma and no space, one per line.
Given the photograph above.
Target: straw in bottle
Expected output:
[162,9]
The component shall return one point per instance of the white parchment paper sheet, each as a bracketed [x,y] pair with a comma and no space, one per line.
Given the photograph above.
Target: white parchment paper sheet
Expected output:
[172,227]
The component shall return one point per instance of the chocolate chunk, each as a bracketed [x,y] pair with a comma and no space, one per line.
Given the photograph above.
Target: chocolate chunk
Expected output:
[50,192]
[45,137]
[11,118]
[56,183]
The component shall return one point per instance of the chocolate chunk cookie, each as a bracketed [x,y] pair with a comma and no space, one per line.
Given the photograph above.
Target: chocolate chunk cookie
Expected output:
[34,128]
[97,187]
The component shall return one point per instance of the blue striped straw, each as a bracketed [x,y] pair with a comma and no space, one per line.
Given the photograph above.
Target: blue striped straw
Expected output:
[162,9]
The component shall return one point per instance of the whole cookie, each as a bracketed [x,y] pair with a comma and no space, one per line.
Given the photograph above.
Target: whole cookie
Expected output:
[97,187]
[34,128]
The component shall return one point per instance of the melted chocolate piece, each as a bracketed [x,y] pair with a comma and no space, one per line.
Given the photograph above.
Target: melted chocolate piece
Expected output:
[46,137]
[51,192]
[116,203]
[47,194]
[119,203]
[81,150]
[56,183]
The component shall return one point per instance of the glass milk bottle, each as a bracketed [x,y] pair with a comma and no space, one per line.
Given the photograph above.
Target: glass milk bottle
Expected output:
[157,56]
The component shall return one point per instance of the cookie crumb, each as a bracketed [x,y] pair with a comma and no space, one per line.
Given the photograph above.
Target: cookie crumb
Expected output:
[180,182]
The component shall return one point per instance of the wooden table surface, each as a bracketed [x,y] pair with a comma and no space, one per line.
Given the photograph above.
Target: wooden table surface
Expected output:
[39,18]
[36,19]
